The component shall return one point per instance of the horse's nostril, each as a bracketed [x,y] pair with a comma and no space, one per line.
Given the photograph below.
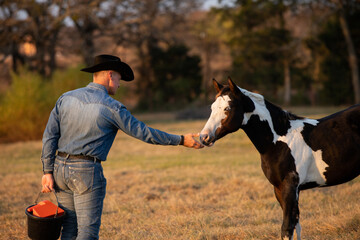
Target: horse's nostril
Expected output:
[204,137]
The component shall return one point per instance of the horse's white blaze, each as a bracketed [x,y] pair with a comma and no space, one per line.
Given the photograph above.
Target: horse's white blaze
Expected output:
[217,114]
[309,164]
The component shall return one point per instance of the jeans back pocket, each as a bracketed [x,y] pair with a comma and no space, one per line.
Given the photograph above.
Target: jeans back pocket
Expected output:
[81,179]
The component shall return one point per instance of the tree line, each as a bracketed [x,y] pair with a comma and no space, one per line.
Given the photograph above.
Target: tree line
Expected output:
[321,67]
[266,55]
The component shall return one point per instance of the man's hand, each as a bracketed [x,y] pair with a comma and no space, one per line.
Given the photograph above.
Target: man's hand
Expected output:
[189,141]
[47,183]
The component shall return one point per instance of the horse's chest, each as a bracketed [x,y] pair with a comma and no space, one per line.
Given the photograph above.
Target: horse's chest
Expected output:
[277,162]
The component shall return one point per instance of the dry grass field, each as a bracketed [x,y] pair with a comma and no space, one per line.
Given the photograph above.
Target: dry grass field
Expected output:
[157,192]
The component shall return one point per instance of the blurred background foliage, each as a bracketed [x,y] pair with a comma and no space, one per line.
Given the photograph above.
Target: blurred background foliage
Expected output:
[177,74]
[291,51]
[26,105]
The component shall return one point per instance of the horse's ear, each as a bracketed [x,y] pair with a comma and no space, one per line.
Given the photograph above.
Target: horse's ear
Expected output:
[217,86]
[233,87]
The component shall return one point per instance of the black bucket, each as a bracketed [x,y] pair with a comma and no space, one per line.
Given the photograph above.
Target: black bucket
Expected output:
[44,228]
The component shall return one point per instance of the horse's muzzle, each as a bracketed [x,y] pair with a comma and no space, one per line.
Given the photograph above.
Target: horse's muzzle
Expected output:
[207,139]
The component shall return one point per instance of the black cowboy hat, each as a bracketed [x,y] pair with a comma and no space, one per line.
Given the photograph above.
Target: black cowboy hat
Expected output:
[109,62]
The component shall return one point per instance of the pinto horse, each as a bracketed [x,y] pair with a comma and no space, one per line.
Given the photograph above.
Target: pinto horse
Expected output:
[296,153]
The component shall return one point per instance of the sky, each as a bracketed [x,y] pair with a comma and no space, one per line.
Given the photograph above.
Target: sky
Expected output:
[215,3]
[207,5]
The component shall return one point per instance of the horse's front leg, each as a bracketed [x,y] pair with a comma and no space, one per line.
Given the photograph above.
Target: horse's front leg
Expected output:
[287,195]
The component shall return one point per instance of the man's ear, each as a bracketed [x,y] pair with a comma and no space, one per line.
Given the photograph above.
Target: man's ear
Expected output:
[111,75]
[217,86]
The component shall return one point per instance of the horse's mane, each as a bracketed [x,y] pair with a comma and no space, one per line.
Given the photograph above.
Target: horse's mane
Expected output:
[292,116]
[282,113]
[260,98]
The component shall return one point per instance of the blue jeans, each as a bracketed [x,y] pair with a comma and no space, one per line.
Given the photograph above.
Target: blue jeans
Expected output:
[81,188]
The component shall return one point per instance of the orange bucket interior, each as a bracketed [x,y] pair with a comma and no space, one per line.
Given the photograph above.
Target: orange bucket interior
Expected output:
[45,209]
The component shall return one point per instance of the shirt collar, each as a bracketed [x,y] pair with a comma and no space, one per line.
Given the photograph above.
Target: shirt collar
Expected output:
[97,86]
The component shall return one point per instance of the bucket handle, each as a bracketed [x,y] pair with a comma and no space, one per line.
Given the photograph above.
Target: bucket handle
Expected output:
[57,202]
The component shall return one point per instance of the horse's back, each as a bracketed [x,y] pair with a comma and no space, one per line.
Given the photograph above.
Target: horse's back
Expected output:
[338,137]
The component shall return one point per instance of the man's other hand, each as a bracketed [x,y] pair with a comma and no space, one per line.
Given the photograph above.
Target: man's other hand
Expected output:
[47,183]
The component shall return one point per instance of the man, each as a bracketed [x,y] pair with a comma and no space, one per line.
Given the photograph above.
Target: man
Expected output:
[81,129]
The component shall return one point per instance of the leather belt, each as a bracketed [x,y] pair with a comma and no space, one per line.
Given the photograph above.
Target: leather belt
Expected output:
[94,159]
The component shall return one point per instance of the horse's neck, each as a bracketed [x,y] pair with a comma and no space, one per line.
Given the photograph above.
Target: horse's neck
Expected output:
[266,124]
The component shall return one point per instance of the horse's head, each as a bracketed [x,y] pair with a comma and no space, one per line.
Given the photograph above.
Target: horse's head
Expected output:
[227,112]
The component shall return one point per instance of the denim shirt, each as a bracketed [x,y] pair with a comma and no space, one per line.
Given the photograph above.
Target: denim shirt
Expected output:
[85,121]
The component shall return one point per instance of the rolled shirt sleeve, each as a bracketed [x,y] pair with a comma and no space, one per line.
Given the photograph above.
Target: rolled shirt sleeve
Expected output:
[126,122]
